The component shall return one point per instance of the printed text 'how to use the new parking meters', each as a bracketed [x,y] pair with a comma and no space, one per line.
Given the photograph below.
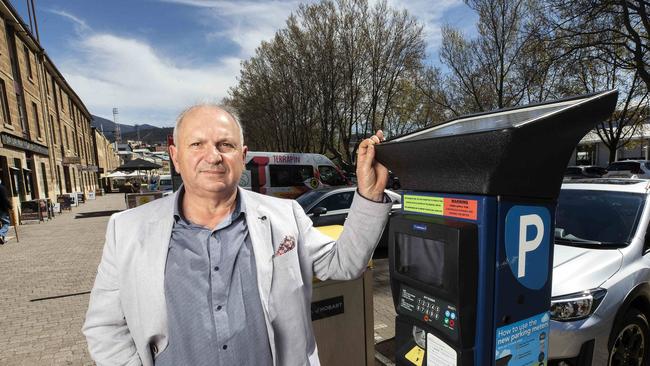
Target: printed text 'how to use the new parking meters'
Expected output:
[471,253]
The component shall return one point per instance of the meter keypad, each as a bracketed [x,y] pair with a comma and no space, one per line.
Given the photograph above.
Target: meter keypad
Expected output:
[433,311]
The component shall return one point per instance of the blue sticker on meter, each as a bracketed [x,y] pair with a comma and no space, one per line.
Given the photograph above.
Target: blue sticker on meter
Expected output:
[527,241]
[523,343]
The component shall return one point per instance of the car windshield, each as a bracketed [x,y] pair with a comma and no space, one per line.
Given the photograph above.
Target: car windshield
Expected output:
[597,218]
[625,166]
[309,197]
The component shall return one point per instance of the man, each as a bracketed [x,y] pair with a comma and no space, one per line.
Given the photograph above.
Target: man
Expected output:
[5,208]
[217,275]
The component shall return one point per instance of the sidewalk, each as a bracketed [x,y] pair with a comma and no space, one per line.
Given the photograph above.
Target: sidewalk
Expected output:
[45,282]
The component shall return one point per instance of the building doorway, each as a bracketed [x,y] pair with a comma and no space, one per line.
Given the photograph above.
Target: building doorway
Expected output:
[66,177]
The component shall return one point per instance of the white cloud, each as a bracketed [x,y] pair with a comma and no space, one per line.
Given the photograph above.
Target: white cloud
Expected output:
[112,71]
[246,23]
[80,24]
[431,15]
[147,86]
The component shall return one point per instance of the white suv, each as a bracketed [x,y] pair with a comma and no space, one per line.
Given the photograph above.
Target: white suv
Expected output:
[629,169]
[601,274]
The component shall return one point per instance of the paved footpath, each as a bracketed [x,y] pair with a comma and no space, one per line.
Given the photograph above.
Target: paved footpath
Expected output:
[46,277]
[56,260]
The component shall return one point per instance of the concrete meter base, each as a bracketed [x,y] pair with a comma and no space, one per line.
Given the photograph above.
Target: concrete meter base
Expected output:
[342,318]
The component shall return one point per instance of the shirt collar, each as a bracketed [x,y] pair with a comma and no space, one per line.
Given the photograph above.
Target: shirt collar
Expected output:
[240,207]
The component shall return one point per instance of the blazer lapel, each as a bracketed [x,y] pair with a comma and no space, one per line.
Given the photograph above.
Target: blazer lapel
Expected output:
[155,245]
[259,228]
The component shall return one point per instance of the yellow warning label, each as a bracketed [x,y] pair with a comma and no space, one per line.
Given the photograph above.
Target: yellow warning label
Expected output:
[424,204]
[450,207]
[416,355]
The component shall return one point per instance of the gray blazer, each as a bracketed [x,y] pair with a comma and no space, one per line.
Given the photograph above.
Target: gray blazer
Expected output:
[126,322]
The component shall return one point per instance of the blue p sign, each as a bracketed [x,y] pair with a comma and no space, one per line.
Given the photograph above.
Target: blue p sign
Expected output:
[527,241]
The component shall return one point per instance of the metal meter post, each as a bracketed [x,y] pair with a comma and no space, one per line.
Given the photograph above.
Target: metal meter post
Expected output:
[471,253]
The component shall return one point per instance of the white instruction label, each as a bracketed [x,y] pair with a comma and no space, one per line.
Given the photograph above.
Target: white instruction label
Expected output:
[439,353]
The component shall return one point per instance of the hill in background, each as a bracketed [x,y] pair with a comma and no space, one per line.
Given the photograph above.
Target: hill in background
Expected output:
[148,133]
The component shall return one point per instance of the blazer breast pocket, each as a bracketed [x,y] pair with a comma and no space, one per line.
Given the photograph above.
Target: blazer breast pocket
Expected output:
[288,312]
[286,272]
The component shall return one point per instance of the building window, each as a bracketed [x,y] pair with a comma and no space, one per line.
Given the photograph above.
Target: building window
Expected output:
[17,183]
[28,62]
[52,129]
[65,135]
[58,178]
[4,104]
[46,191]
[36,120]
[62,104]
[21,113]
[52,82]
[28,180]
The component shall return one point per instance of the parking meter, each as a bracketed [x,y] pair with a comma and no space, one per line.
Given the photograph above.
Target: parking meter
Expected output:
[471,252]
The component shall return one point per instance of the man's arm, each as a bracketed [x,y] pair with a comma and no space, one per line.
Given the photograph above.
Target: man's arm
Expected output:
[349,256]
[108,337]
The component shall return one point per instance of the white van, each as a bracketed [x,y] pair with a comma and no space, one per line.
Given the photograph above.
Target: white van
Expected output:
[288,175]
[165,182]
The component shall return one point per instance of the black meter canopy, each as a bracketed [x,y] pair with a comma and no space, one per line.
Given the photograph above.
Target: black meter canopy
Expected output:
[511,152]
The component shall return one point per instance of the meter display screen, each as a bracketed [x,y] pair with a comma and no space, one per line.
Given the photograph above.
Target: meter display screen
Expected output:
[421,259]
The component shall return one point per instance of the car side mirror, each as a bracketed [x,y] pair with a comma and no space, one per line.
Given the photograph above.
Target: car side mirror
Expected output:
[317,211]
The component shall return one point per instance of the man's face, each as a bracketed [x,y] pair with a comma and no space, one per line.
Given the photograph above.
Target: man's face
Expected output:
[209,154]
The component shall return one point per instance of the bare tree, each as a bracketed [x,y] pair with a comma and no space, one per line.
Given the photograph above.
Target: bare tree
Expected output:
[618,130]
[331,75]
[504,65]
[618,30]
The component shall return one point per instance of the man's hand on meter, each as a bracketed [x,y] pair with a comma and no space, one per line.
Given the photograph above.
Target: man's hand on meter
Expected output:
[371,175]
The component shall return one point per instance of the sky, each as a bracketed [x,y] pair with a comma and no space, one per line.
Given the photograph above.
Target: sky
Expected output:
[152,58]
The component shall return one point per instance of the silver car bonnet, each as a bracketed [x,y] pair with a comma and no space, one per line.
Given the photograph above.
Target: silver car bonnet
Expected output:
[577,269]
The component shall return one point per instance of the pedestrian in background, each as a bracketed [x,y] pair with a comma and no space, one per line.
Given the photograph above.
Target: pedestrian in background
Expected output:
[5,208]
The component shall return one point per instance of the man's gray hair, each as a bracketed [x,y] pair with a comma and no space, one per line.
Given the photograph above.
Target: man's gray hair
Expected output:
[226,108]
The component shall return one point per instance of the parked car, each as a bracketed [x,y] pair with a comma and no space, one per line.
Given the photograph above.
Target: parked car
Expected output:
[330,206]
[629,169]
[601,274]
[584,171]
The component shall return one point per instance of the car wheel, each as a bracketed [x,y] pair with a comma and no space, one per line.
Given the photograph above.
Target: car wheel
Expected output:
[630,340]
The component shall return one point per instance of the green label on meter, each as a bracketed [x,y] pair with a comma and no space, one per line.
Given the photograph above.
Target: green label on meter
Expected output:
[424,204]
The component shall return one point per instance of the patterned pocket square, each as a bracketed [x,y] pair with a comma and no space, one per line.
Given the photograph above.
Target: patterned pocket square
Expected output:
[288,243]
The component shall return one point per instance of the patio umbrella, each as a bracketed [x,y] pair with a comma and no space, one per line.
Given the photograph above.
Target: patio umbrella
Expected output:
[138,164]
